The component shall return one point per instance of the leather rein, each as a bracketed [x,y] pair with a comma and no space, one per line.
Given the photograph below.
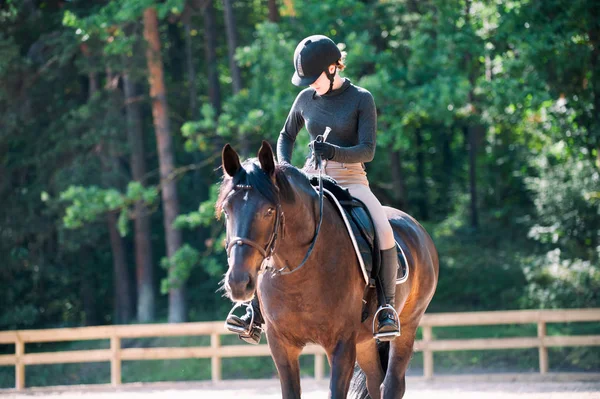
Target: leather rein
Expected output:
[268,251]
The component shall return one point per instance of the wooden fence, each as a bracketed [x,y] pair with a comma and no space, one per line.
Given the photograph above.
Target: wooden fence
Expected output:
[428,345]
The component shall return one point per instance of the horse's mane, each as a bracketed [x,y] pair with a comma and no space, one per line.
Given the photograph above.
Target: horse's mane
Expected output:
[251,174]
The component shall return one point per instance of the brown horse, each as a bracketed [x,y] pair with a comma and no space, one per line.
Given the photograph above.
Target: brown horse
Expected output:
[271,217]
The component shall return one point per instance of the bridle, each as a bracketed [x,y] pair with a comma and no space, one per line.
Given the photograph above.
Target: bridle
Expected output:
[268,251]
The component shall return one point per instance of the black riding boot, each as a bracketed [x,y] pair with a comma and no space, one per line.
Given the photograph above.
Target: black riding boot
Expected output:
[387,324]
[249,326]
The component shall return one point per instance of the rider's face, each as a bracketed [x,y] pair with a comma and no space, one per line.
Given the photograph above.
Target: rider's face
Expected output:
[321,85]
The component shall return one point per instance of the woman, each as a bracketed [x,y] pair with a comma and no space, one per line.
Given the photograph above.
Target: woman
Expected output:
[349,110]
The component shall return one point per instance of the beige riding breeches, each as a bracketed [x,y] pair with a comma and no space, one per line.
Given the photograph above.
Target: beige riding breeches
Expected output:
[353,177]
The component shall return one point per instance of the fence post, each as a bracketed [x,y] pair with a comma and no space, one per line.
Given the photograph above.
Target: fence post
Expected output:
[319,366]
[215,360]
[19,365]
[543,350]
[427,353]
[115,360]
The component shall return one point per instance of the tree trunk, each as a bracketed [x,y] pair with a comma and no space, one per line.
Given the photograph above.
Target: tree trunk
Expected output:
[447,170]
[123,307]
[594,35]
[471,130]
[398,182]
[87,292]
[422,195]
[191,72]
[236,78]
[123,298]
[470,133]
[177,308]
[193,97]
[93,85]
[273,11]
[123,304]
[210,46]
[143,246]
[230,28]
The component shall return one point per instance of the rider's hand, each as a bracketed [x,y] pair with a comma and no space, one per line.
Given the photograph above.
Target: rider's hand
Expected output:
[323,149]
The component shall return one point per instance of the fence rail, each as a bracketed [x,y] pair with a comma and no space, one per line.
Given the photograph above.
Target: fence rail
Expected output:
[428,345]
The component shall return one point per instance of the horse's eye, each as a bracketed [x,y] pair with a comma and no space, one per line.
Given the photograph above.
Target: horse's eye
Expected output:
[226,214]
[270,212]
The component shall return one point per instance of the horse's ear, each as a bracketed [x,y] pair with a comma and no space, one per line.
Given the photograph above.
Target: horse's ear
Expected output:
[266,158]
[231,160]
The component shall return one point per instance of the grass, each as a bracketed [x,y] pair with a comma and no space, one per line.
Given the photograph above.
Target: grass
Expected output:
[452,362]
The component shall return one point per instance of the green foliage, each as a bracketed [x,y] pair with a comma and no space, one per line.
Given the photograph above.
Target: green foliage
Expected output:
[204,216]
[555,282]
[259,110]
[521,75]
[478,270]
[564,199]
[197,134]
[179,267]
[86,204]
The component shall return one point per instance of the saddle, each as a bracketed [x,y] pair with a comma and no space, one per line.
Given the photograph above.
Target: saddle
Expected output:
[361,229]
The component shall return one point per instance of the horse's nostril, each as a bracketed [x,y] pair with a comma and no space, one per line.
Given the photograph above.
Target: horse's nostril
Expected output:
[239,279]
[251,284]
[241,285]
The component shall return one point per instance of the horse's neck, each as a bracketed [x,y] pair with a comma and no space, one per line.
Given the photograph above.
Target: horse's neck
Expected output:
[331,259]
[300,222]
[301,217]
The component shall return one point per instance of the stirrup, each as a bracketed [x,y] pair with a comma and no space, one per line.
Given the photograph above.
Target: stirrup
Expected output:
[237,329]
[254,337]
[385,336]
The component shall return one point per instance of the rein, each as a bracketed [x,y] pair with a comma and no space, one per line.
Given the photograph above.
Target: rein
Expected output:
[281,271]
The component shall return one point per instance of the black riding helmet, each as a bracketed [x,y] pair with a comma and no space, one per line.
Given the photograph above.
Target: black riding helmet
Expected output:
[312,57]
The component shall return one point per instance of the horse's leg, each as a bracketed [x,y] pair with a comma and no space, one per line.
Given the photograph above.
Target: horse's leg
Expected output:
[342,359]
[401,349]
[367,357]
[288,367]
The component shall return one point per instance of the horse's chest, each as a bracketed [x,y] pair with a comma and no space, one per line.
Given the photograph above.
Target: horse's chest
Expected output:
[280,304]
[308,315]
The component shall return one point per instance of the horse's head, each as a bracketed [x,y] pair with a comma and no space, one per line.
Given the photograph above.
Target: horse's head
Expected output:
[250,200]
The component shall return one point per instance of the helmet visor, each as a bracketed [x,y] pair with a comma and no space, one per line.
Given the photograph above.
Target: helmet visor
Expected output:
[297,80]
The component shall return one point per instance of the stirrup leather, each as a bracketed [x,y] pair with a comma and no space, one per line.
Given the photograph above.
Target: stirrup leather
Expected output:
[237,329]
[385,336]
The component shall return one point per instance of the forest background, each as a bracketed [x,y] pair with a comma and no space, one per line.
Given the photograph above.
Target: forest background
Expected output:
[113,115]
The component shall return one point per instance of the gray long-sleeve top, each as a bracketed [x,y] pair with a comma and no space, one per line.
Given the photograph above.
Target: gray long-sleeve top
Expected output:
[350,113]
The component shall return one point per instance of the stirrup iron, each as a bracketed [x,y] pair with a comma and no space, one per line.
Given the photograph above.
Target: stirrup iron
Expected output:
[238,329]
[385,336]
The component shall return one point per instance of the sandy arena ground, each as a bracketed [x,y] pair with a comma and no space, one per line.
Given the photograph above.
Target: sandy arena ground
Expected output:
[447,388]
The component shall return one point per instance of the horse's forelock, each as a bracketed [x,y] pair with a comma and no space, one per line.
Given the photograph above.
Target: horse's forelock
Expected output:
[258,178]
[251,174]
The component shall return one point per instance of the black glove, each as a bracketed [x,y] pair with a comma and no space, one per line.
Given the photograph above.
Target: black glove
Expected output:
[324,150]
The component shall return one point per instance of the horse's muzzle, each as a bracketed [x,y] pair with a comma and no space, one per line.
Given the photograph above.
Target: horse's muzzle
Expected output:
[240,285]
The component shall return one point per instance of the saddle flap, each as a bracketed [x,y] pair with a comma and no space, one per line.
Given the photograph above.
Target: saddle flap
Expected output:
[361,217]
[361,229]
